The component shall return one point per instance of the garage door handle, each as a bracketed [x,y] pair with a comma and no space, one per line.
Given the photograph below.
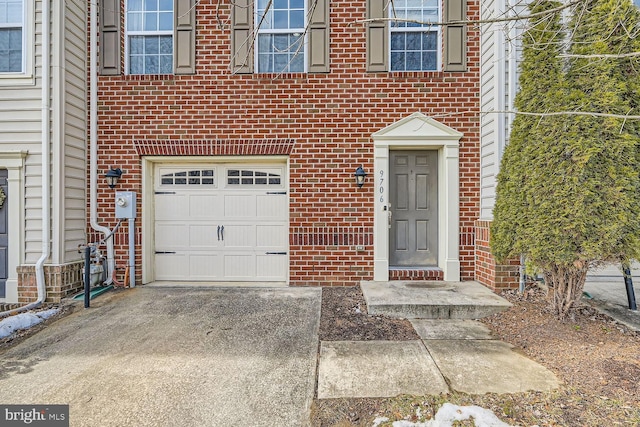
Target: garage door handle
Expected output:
[221,232]
[276,253]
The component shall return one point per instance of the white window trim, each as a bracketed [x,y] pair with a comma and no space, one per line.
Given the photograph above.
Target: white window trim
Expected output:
[26,76]
[418,132]
[128,34]
[13,161]
[436,28]
[305,41]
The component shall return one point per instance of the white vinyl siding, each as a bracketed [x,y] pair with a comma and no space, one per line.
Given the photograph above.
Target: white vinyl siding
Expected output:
[20,130]
[69,138]
[500,53]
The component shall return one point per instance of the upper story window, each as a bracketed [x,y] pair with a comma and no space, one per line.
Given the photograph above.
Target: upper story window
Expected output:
[400,38]
[280,46]
[11,36]
[288,37]
[414,44]
[150,36]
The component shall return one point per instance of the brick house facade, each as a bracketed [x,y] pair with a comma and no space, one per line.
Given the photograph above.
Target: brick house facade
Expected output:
[214,113]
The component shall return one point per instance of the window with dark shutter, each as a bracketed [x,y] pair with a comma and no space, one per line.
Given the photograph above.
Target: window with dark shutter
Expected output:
[399,38]
[455,36]
[109,16]
[292,36]
[159,36]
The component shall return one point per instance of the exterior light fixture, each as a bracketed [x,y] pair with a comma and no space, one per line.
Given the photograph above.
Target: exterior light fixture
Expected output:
[113,176]
[360,176]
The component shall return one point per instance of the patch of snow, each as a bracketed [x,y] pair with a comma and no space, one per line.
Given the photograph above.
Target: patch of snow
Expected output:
[11,324]
[449,413]
[379,420]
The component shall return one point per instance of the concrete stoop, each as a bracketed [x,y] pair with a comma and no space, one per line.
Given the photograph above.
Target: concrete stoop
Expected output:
[431,299]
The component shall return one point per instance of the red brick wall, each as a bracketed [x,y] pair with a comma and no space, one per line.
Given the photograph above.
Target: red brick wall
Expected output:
[60,281]
[495,276]
[330,117]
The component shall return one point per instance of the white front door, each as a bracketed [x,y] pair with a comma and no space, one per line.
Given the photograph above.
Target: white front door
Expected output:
[221,222]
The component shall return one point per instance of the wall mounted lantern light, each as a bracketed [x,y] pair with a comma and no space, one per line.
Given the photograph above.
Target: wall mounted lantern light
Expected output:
[113,176]
[360,176]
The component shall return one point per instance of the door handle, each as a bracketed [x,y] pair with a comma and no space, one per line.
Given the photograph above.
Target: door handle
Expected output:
[222,232]
[218,233]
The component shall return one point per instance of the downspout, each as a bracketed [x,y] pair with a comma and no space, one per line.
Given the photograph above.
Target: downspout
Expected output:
[46,192]
[512,90]
[93,139]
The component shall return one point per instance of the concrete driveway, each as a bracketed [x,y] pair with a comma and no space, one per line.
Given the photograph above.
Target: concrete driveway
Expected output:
[175,357]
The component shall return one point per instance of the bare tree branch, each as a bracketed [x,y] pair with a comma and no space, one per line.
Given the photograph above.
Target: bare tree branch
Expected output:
[474,21]
[566,113]
[601,56]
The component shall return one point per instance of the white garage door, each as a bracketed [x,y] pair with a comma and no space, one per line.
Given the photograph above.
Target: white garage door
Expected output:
[221,223]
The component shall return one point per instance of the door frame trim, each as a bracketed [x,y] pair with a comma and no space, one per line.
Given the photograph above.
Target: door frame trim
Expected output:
[419,132]
[149,163]
[13,161]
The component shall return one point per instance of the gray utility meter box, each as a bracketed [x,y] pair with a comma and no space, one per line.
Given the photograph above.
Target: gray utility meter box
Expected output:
[125,204]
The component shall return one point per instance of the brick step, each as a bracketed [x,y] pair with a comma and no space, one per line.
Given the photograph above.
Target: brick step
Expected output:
[432,273]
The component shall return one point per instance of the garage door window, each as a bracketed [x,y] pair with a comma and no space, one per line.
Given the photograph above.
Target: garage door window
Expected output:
[244,177]
[199,177]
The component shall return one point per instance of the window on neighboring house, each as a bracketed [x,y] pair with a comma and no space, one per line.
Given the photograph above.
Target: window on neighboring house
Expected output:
[150,36]
[414,46]
[281,46]
[11,36]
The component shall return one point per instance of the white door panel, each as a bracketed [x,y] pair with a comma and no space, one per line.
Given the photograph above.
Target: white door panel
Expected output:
[239,236]
[204,206]
[171,235]
[236,206]
[172,266]
[221,223]
[171,206]
[271,235]
[239,266]
[205,266]
[203,237]
[270,267]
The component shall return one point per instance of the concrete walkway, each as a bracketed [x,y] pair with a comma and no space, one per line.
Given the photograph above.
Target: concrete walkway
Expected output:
[455,354]
[175,357]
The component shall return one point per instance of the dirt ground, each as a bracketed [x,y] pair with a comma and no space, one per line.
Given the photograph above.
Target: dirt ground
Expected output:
[597,360]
